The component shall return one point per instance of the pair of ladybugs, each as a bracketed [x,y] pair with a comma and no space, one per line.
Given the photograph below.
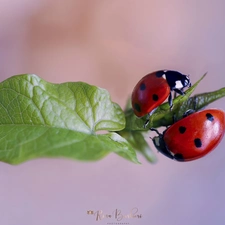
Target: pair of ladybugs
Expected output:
[191,137]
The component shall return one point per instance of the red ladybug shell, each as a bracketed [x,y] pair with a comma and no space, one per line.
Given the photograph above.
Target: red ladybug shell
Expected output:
[195,135]
[149,93]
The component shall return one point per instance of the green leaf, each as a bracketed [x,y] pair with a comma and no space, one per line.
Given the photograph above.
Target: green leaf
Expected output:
[41,119]
[138,142]
[200,101]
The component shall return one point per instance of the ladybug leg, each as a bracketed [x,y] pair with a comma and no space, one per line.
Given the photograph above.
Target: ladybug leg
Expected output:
[188,112]
[170,100]
[174,95]
[179,91]
[148,120]
[146,123]
[176,91]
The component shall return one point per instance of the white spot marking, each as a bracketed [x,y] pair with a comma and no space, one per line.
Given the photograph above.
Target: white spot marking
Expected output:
[178,84]
[156,139]
[164,76]
[186,82]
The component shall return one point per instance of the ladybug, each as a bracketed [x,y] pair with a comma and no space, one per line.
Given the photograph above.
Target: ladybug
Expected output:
[193,136]
[154,88]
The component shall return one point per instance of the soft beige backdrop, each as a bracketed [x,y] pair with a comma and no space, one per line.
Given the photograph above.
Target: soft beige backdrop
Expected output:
[112,44]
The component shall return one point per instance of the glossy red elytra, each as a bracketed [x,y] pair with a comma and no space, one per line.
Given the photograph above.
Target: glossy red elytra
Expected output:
[193,136]
[154,88]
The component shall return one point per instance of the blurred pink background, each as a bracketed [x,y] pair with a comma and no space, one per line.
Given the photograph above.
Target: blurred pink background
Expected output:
[112,44]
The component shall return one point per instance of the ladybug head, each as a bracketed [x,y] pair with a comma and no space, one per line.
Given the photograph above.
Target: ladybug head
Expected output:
[160,144]
[186,81]
[161,147]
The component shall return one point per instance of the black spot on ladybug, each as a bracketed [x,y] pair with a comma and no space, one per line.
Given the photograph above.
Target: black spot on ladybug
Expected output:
[137,107]
[209,117]
[198,143]
[155,97]
[142,87]
[179,157]
[182,129]
[159,73]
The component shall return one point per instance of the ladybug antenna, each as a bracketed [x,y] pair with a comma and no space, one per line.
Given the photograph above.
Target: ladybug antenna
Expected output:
[153,129]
